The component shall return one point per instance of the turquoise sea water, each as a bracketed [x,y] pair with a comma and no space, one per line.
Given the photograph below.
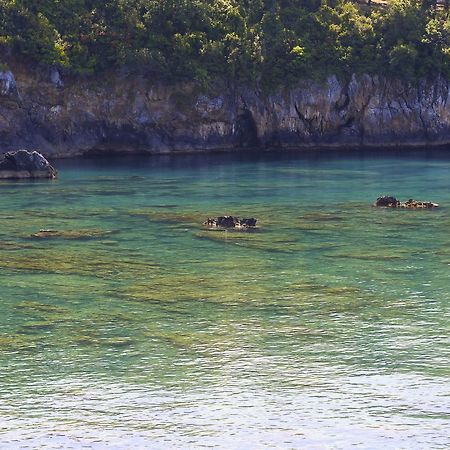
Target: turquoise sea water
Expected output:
[134,327]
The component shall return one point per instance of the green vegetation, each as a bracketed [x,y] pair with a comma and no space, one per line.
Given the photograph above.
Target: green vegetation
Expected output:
[267,42]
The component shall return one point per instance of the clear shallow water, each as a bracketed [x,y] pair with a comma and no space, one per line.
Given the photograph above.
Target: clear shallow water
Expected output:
[137,328]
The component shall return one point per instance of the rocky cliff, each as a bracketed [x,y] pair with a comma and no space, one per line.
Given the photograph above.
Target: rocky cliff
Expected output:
[131,113]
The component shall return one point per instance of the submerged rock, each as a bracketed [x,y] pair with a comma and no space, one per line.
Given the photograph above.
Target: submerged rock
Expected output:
[71,234]
[24,164]
[230,222]
[391,202]
[36,307]
[16,342]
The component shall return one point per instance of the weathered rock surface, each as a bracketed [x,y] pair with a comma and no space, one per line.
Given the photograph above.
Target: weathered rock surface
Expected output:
[65,116]
[392,202]
[25,164]
[230,222]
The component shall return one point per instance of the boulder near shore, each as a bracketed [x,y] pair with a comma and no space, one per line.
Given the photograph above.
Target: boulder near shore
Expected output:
[24,164]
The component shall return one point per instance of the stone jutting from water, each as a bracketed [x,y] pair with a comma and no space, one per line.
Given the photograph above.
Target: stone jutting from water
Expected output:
[391,202]
[23,164]
[230,222]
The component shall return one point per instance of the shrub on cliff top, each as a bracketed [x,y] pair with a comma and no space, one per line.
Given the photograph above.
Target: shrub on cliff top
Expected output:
[265,42]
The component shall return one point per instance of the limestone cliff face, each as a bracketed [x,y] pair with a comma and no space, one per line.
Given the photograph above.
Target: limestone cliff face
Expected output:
[129,113]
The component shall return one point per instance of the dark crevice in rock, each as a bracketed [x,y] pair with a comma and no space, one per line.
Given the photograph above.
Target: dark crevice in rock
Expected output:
[424,125]
[362,115]
[307,122]
[246,130]
[343,103]
[348,123]
[344,99]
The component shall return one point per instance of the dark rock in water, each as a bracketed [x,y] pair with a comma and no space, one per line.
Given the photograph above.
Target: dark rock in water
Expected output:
[387,201]
[227,221]
[248,222]
[230,222]
[24,164]
[391,202]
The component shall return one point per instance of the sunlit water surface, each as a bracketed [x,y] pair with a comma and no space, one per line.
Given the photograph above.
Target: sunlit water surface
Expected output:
[134,327]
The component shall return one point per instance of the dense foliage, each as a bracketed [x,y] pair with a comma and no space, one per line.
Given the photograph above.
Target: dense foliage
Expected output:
[268,42]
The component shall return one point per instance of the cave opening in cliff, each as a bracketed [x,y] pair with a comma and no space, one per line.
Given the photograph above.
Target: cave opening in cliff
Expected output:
[247,131]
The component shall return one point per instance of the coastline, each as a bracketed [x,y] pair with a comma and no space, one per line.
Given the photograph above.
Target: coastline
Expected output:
[133,114]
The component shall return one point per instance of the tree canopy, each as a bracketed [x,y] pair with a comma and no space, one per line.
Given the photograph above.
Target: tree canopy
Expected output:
[269,42]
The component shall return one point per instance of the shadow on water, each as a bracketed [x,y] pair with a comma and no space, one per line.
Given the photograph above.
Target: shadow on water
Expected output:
[199,160]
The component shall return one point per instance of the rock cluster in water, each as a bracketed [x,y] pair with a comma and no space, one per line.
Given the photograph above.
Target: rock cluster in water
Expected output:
[391,202]
[230,222]
[23,164]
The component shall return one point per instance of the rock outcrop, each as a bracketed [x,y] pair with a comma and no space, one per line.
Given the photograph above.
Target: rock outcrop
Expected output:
[24,164]
[230,222]
[8,86]
[66,116]
[392,202]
